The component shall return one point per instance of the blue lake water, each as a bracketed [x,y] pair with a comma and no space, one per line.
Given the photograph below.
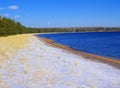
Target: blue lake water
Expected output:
[100,43]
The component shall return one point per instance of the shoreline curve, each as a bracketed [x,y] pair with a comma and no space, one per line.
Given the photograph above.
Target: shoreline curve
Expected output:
[101,59]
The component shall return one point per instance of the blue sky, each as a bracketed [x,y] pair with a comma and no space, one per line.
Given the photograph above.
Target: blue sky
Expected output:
[63,13]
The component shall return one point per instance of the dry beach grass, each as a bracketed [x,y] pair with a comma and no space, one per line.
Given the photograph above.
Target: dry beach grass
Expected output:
[9,45]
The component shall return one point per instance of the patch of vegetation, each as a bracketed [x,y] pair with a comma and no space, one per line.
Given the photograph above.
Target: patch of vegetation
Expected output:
[11,27]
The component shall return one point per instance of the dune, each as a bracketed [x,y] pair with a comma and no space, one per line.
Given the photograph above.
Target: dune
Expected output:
[9,45]
[27,62]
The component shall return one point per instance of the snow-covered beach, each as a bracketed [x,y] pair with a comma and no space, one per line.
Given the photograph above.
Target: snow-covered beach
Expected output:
[30,63]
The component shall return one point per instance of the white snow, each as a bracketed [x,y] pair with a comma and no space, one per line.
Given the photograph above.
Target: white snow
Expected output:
[38,65]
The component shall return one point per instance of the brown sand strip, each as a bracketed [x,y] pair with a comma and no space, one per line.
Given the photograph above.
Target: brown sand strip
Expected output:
[110,61]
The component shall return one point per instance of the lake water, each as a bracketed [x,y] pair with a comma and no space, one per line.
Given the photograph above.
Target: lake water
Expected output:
[100,43]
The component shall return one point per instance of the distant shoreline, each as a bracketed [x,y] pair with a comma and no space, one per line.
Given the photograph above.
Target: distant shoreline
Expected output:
[110,61]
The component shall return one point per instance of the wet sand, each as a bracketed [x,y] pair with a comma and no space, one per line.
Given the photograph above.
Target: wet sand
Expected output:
[110,61]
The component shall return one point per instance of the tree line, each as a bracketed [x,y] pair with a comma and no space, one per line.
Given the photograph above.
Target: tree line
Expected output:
[11,27]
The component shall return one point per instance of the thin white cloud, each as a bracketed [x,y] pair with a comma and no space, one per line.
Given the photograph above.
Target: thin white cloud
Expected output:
[6,15]
[17,16]
[2,9]
[13,7]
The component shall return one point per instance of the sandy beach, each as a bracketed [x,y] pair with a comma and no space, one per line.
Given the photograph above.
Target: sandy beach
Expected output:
[28,62]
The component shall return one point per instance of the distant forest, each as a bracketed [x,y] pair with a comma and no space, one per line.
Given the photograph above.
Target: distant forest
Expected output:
[11,27]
